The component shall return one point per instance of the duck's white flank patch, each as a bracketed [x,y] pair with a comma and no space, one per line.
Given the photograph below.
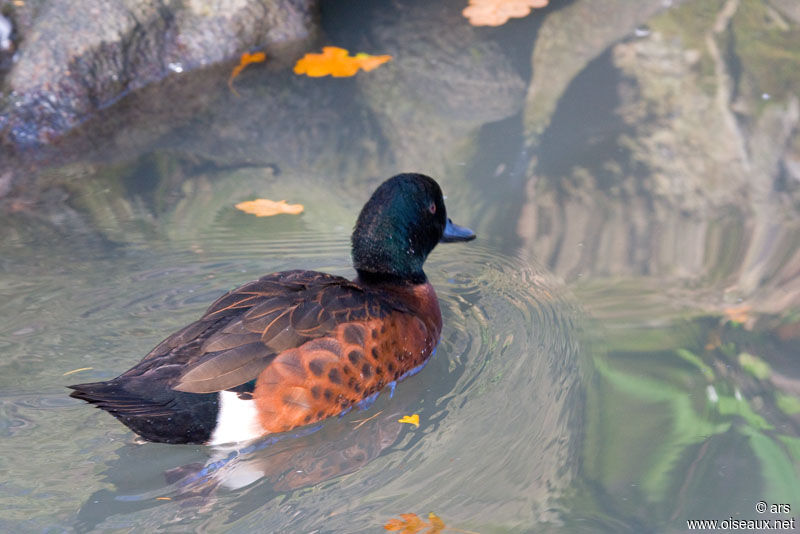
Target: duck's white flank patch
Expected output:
[237,420]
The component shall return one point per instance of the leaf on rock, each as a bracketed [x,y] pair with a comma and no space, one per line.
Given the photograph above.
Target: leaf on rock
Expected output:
[246,59]
[263,207]
[337,62]
[410,419]
[497,12]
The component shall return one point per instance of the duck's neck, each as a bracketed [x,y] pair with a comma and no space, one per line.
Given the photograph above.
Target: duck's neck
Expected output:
[419,296]
[372,278]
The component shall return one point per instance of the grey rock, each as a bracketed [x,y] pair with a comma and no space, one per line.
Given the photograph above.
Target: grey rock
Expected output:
[81,56]
[445,80]
[569,39]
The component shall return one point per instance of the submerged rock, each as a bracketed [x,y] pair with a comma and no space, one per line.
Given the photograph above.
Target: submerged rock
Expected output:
[447,80]
[78,57]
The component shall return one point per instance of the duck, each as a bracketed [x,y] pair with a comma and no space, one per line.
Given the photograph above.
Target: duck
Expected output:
[296,347]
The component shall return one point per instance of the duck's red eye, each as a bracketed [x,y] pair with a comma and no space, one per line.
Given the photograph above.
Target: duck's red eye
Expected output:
[432,208]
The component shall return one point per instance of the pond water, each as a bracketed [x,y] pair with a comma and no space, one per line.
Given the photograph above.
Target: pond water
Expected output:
[619,351]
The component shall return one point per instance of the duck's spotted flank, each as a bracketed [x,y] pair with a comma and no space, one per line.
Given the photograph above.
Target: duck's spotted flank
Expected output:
[295,347]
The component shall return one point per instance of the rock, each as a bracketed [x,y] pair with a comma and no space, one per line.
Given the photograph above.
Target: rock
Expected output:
[789,8]
[445,80]
[691,177]
[569,39]
[81,56]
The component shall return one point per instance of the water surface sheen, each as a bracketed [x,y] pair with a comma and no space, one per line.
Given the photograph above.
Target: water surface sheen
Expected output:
[509,348]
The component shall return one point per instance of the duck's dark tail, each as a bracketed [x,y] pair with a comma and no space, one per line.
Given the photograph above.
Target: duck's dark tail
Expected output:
[162,415]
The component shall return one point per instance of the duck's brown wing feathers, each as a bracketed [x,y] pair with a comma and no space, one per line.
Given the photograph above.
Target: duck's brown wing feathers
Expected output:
[243,331]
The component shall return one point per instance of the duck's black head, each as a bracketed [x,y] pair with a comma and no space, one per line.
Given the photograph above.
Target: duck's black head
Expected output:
[399,226]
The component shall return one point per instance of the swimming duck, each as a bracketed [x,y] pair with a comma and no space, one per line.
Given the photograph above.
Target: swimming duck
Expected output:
[295,347]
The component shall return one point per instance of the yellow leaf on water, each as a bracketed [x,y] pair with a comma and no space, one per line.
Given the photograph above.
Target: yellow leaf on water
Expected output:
[263,207]
[437,525]
[410,419]
[246,59]
[77,371]
[337,62]
[497,12]
[163,498]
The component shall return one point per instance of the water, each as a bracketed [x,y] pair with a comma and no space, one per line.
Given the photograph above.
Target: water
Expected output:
[619,345]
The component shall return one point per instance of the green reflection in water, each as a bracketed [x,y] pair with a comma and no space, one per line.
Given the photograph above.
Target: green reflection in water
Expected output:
[662,421]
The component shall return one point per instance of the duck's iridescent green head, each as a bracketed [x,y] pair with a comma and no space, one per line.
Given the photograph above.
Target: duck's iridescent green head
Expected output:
[399,226]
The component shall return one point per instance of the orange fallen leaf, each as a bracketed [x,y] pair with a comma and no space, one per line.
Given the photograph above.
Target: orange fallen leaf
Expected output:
[412,524]
[497,12]
[337,62]
[368,62]
[163,498]
[263,207]
[246,59]
[437,525]
[410,419]
[409,524]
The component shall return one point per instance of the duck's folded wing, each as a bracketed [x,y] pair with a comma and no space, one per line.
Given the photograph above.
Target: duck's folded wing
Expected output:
[225,369]
[266,317]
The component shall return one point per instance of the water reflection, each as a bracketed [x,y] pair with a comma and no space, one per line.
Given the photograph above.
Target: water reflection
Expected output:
[279,464]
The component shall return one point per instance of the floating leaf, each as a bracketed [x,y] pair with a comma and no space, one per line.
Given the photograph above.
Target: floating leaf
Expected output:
[437,525]
[246,59]
[410,419]
[263,207]
[337,62]
[409,524]
[163,498]
[412,524]
[77,371]
[497,12]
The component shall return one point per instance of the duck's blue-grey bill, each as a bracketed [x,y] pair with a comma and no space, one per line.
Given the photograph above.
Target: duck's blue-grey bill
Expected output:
[454,232]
